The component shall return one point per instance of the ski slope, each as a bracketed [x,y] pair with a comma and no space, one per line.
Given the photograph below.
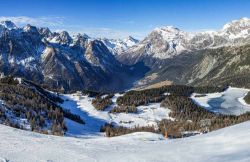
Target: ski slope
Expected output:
[228,102]
[230,144]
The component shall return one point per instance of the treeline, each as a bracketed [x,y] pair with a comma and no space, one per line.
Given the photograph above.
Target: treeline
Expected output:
[9,80]
[92,93]
[47,94]
[124,109]
[143,97]
[112,131]
[101,103]
[190,117]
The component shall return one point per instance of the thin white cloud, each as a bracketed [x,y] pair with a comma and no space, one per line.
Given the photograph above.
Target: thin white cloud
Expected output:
[60,24]
[106,32]
[38,21]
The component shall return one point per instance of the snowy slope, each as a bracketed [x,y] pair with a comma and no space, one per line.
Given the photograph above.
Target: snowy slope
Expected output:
[94,119]
[228,102]
[229,144]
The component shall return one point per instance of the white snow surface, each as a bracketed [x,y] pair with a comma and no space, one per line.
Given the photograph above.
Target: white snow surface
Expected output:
[228,102]
[229,144]
[82,105]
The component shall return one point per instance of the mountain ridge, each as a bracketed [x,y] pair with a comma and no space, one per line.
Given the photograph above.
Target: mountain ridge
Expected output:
[60,61]
[67,62]
[166,42]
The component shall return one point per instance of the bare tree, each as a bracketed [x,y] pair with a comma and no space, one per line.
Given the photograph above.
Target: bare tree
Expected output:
[205,124]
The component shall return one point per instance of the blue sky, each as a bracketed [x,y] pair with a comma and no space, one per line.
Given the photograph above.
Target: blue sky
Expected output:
[120,18]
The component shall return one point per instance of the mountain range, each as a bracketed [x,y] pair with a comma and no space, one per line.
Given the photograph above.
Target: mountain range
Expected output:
[201,58]
[60,61]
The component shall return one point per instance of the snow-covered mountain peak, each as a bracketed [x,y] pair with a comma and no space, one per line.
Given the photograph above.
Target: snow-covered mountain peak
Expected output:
[117,46]
[45,32]
[81,36]
[64,34]
[130,41]
[169,29]
[62,38]
[8,24]
[237,26]
[168,33]
[30,28]
[84,35]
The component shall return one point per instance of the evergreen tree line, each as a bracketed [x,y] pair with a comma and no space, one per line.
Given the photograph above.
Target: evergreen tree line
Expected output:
[101,103]
[143,97]
[112,131]
[36,105]
[124,109]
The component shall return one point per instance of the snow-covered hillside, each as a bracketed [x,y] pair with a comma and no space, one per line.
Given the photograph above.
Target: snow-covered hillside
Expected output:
[86,143]
[229,144]
[228,102]
[94,119]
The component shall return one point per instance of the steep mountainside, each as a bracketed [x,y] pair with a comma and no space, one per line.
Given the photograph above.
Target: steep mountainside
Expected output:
[60,61]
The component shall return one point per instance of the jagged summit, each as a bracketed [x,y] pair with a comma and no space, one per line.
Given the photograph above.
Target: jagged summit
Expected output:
[8,24]
[169,29]
[59,60]
[130,41]
[62,38]
[117,46]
